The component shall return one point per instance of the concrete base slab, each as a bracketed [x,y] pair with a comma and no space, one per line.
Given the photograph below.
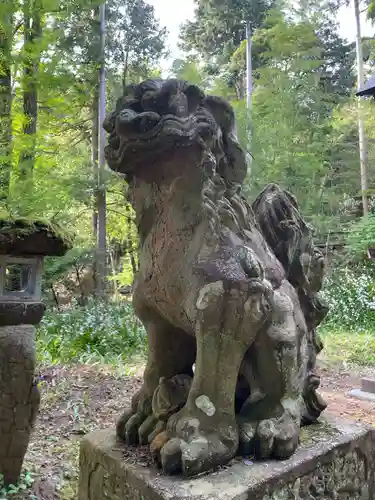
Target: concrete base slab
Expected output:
[333,461]
[359,394]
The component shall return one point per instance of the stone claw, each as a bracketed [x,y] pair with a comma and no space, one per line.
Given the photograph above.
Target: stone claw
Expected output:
[198,455]
[146,429]
[135,428]
[121,423]
[247,433]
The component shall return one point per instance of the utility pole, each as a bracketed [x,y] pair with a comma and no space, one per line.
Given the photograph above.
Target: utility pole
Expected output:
[249,77]
[249,91]
[101,189]
[363,152]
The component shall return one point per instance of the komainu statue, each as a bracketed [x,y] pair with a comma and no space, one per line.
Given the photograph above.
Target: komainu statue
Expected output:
[226,291]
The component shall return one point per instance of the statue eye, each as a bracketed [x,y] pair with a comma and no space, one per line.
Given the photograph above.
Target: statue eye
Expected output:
[149,101]
[194,97]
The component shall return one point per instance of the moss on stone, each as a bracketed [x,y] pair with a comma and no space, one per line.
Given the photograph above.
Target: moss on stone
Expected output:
[32,236]
[315,433]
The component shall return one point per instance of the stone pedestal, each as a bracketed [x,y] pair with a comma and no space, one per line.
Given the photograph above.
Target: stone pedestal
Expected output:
[334,461]
[19,397]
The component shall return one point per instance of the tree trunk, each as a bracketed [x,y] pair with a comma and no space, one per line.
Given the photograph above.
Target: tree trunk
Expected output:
[129,240]
[32,34]
[125,71]
[95,157]
[100,195]
[6,35]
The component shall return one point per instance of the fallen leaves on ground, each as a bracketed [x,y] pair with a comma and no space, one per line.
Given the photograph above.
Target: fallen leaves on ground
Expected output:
[79,399]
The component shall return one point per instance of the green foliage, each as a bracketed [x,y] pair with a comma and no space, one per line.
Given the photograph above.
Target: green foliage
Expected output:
[190,69]
[140,38]
[350,293]
[61,60]
[304,132]
[361,237]
[26,480]
[218,35]
[56,268]
[348,330]
[99,331]
[289,127]
[219,26]
[218,31]
[371,10]
[6,28]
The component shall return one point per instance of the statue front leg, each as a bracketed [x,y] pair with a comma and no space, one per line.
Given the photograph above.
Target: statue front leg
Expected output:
[204,434]
[170,352]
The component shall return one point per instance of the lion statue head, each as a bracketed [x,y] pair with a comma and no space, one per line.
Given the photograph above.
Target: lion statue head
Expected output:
[158,116]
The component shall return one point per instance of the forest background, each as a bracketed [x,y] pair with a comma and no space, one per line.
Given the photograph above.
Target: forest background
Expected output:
[304,123]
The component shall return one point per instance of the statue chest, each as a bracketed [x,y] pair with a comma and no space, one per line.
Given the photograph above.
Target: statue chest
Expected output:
[166,275]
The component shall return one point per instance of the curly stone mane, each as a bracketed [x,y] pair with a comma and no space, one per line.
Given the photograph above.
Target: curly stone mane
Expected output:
[290,238]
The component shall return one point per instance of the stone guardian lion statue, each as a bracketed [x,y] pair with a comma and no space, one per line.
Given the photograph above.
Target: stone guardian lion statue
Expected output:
[227,292]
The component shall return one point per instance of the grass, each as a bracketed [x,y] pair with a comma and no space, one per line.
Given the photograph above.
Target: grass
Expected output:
[343,346]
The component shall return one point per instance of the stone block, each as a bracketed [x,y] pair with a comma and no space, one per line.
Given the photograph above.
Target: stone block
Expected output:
[333,461]
[368,385]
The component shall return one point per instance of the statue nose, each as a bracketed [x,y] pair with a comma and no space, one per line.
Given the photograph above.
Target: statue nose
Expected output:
[178,105]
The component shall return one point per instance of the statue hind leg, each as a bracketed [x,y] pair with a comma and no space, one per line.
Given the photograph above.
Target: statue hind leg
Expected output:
[171,351]
[270,427]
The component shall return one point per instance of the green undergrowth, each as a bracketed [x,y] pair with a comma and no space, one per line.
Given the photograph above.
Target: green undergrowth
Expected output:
[345,346]
[101,332]
[348,331]
[109,333]
[13,490]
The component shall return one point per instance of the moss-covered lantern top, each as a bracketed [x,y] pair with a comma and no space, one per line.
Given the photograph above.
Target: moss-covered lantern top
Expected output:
[23,245]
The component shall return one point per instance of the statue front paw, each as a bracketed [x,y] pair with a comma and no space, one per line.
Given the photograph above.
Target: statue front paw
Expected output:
[269,438]
[149,414]
[198,443]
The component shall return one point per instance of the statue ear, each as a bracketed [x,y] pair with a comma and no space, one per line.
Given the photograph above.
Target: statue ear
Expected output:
[236,165]
[222,111]
[194,96]
[234,168]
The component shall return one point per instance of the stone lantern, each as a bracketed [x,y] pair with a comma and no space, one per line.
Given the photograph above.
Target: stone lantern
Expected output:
[23,245]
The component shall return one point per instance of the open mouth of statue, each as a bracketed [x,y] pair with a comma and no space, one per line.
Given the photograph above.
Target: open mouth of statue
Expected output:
[149,131]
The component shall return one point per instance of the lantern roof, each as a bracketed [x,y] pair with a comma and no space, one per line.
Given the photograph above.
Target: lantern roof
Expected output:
[368,88]
[23,237]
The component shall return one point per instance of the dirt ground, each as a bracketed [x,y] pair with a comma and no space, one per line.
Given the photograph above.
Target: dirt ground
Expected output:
[78,399]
